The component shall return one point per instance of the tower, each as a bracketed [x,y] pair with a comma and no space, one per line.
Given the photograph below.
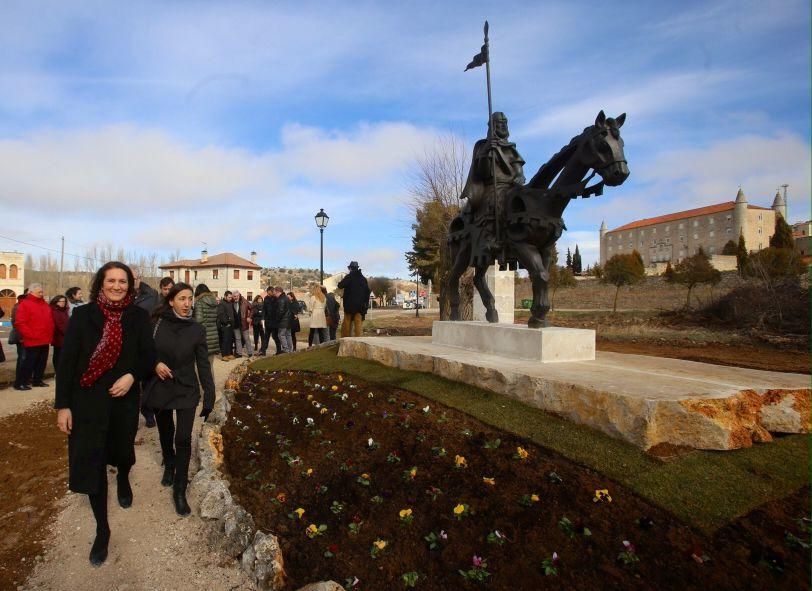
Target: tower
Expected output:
[780,204]
[740,215]
[603,231]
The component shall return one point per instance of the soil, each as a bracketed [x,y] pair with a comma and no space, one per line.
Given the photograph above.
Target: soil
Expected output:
[32,480]
[271,446]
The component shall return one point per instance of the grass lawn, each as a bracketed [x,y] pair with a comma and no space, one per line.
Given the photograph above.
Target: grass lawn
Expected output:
[705,489]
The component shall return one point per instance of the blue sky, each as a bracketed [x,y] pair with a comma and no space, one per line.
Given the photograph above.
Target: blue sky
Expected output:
[157,126]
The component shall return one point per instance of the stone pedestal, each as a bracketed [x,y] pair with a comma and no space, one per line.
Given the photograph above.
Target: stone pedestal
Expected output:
[501,285]
[515,341]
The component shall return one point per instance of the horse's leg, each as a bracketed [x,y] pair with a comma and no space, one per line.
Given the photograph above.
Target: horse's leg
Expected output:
[459,258]
[531,259]
[491,315]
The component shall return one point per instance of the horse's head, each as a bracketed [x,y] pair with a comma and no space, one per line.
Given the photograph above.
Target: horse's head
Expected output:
[603,149]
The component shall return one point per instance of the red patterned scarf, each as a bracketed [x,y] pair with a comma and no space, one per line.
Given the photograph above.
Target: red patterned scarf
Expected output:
[109,347]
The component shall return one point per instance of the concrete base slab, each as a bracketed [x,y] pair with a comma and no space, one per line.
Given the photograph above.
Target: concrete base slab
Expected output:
[643,400]
[515,341]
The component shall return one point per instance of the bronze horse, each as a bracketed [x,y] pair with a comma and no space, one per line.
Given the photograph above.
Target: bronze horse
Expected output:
[530,219]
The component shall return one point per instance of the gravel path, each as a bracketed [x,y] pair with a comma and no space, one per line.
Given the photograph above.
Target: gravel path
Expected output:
[151,548]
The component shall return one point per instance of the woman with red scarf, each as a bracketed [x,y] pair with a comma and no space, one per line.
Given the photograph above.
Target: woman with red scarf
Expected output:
[108,349]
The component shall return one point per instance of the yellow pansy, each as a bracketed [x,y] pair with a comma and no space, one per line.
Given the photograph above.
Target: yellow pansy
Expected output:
[490,481]
[299,512]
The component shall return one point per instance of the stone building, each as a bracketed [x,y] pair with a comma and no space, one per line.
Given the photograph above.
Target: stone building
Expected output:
[802,232]
[675,236]
[220,272]
[12,280]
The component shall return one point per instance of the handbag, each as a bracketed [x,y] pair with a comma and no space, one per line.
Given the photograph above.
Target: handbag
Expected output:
[14,337]
[158,393]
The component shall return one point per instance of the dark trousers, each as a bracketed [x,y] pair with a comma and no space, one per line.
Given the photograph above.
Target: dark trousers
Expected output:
[176,440]
[55,356]
[227,344]
[33,366]
[271,332]
[259,336]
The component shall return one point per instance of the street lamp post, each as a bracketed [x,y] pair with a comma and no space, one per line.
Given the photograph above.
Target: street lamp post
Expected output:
[321,223]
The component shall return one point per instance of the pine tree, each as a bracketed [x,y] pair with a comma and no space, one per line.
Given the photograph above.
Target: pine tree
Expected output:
[576,261]
[569,259]
[782,237]
[729,248]
[742,256]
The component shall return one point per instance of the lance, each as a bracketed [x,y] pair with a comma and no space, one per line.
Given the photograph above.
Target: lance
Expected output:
[494,196]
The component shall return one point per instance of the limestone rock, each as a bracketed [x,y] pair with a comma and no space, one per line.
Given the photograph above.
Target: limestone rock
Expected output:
[216,501]
[238,531]
[263,560]
[322,586]
[219,414]
[785,411]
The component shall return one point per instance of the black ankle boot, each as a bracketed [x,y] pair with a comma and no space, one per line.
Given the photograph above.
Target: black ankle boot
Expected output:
[169,474]
[179,496]
[125,491]
[98,552]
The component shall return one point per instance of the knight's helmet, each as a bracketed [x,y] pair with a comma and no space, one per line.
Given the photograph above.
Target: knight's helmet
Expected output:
[780,205]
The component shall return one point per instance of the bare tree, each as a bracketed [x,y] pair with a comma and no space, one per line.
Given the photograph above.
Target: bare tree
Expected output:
[435,186]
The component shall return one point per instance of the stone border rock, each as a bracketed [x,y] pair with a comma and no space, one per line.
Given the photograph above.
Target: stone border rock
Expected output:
[232,531]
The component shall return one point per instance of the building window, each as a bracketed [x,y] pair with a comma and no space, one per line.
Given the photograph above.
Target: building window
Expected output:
[236,273]
[641,244]
[759,230]
[195,275]
[610,249]
[711,221]
[250,275]
[728,231]
[668,240]
[710,233]
[696,236]
[682,238]
[12,272]
[729,217]
[631,244]
[759,246]
[620,247]
[681,226]
[696,223]
[654,230]
[215,273]
[172,274]
[667,229]
[610,238]
[642,232]
[711,249]
[759,217]
[2,271]
[250,294]
[186,276]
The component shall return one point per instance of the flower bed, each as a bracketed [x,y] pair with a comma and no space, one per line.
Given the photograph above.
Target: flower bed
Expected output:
[378,488]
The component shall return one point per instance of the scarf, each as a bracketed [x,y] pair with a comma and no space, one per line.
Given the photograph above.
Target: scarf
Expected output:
[109,348]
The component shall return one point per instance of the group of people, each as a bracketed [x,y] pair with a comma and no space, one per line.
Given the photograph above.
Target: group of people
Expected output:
[133,348]
[37,326]
[130,347]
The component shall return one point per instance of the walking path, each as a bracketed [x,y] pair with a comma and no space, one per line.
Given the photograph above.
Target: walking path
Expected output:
[151,547]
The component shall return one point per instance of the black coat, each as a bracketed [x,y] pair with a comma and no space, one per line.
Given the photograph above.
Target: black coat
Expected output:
[181,345]
[226,318]
[271,316]
[284,312]
[104,427]
[356,292]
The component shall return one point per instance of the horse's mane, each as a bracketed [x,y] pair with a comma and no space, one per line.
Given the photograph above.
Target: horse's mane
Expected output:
[548,171]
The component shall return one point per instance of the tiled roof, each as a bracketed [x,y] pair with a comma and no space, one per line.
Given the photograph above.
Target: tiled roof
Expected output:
[681,215]
[226,259]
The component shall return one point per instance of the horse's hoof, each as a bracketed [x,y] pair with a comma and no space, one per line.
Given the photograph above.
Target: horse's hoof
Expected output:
[492,316]
[536,322]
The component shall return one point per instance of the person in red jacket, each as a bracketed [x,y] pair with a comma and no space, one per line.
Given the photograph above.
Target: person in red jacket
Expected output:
[59,310]
[35,323]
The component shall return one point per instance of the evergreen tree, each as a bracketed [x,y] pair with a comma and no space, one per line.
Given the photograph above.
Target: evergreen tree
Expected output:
[742,257]
[782,237]
[695,270]
[669,272]
[729,248]
[569,259]
[623,269]
[576,261]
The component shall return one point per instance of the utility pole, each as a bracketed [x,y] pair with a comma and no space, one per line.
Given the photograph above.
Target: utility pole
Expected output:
[62,264]
[416,294]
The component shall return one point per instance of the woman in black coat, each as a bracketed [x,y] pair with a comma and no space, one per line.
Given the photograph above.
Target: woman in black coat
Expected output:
[107,350]
[180,344]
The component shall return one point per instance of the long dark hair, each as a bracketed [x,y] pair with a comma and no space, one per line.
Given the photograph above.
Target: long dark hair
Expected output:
[176,289]
[55,300]
[98,279]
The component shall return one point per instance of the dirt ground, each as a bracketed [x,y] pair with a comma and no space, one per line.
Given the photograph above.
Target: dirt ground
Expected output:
[395,450]
[46,531]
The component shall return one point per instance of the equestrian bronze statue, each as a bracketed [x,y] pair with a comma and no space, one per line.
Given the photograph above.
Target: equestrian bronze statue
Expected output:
[517,225]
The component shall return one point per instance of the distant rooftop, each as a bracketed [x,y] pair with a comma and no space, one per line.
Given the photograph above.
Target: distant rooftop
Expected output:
[681,215]
[226,259]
